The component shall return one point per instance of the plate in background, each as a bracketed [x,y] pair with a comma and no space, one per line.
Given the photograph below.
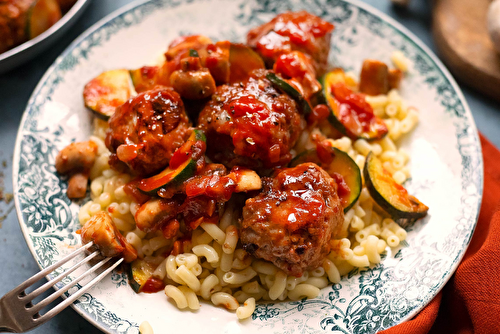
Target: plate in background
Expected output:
[446,166]
[14,57]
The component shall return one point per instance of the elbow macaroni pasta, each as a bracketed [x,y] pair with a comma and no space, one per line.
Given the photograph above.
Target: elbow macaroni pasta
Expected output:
[225,299]
[247,309]
[145,328]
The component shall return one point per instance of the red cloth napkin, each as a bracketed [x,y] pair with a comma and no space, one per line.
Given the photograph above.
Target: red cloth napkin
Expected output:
[470,301]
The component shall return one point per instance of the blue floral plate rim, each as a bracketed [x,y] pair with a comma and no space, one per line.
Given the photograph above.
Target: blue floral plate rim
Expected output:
[130,7]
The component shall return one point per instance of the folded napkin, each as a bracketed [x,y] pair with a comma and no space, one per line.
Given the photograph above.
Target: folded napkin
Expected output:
[470,301]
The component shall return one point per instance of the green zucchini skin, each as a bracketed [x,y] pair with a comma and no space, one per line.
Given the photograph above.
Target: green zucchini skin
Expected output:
[140,276]
[198,135]
[174,177]
[134,284]
[288,89]
[107,91]
[372,174]
[193,53]
[306,156]
[342,164]
[169,177]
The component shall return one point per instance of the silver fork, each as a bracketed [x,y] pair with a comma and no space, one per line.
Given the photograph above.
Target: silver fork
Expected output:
[18,314]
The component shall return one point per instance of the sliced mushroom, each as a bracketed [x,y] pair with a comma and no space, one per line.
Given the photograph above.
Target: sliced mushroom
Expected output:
[101,230]
[154,213]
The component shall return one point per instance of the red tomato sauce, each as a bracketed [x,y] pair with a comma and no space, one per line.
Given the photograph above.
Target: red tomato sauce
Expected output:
[354,112]
[153,285]
[319,113]
[343,190]
[299,28]
[132,189]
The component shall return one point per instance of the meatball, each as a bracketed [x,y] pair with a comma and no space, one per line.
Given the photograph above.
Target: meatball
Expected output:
[289,31]
[291,222]
[250,124]
[145,131]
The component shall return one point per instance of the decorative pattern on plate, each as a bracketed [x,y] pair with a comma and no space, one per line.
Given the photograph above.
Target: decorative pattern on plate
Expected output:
[106,317]
[445,150]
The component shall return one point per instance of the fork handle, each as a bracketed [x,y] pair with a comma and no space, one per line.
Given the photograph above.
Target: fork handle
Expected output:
[7,322]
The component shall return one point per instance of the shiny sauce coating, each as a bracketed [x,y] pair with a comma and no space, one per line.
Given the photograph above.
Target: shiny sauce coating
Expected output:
[250,124]
[145,131]
[289,31]
[292,220]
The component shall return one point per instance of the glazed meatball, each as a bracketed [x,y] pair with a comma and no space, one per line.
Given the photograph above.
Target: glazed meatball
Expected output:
[291,222]
[145,131]
[289,31]
[250,124]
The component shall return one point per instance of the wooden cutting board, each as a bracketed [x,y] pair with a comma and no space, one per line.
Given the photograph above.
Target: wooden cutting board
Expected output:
[462,39]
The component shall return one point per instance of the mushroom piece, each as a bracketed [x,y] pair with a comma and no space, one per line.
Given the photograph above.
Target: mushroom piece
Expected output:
[155,213]
[75,160]
[76,157]
[193,81]
[77,185]
[101,230]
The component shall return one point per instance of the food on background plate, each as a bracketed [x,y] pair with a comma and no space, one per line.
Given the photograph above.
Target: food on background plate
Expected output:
[22,20]
[218,178]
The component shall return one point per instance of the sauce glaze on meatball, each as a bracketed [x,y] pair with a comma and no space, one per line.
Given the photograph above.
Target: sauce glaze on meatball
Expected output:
[145,131]
[291,222]
[250,124]
[299,31]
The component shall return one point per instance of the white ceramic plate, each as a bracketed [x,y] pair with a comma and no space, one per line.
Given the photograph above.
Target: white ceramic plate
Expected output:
[16,56]
[446,166]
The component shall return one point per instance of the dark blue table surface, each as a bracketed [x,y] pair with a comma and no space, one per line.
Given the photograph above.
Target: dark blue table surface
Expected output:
[17,85]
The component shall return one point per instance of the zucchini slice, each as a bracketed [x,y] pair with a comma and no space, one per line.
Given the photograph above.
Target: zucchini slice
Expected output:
[148,77]
[140,277]
[306,156]
[284,86]
[182,165]
[107,91]
[336,162]
[350,113]
[389,195]
[144,78]
[168,177]
[242,61]
[42,15]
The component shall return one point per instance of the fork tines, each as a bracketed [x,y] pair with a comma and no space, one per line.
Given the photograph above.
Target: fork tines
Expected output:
[23,315]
